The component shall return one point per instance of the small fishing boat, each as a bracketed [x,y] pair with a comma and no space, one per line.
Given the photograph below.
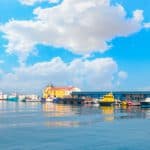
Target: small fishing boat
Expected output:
[146,102]
[124,103]
[28,99]
[31,98]
[107,100]
[130,103]
[49,99]
[3,96]
[13,97]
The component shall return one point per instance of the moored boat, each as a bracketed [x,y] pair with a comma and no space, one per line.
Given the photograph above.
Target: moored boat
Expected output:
[13,97]
[3,96]
[124,103]
[146,102]
[130,103]
[107,100]
[49,99]
[31,98]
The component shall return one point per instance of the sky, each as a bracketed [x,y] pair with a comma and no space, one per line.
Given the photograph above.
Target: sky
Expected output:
[94,44]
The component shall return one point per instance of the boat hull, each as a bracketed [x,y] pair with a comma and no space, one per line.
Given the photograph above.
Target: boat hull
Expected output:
[145,104]
[49,100]
[14,99]
[106,103]
[31,100]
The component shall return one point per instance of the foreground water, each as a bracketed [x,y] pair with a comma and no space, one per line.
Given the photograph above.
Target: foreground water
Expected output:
[36,126]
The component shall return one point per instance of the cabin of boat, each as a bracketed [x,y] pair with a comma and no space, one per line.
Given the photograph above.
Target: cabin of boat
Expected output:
[107,100]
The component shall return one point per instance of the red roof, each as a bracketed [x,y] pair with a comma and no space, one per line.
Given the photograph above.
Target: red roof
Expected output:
[61,88]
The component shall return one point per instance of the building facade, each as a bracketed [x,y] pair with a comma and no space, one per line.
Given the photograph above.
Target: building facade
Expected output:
[59,92]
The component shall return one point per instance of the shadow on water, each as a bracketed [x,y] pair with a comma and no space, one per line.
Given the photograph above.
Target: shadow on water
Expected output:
[58,115]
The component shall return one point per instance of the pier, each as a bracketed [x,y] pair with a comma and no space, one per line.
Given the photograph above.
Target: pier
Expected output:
[74,101]
[120,95]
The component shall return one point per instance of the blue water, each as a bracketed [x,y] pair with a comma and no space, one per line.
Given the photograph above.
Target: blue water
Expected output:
[36,126]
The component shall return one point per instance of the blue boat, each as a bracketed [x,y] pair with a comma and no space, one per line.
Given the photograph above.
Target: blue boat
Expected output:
[13,98]
[56,100]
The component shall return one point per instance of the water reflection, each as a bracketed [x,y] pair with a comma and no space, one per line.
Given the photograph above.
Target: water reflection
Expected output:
[108,112]
[146,112]
[58,115]
[124,107]
[62,124]
[6,106]
[58,110]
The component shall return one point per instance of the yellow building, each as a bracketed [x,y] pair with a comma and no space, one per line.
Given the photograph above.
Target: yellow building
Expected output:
[59,92]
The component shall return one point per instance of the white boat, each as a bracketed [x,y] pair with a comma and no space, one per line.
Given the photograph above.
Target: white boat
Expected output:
[146,102]
[31,98]
[49,99]
[3,96]
[21,98]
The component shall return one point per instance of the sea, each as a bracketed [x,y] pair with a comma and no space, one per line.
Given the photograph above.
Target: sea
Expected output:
[48,126]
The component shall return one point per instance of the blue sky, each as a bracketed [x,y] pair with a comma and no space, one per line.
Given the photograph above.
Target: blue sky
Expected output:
[90,44]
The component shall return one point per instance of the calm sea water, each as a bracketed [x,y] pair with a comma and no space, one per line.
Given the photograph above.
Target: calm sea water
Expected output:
[36,126]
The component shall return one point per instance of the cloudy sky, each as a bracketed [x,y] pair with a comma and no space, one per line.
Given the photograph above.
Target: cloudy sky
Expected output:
[91,44]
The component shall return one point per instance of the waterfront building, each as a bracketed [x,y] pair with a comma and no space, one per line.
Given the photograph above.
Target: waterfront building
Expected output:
[59,92]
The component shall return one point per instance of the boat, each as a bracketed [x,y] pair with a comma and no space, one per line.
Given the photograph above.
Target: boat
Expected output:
[3,96]
[21,98]
[69,100]
[146,102]
[117,102]
[49,99]
[130,103]
[31,98]
[13,97]
[28,99]
[124,103]
[107,100]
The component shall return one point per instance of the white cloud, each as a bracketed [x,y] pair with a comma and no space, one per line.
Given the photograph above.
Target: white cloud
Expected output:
[53,1]
[138,15]
[77,25]
[122,74]
[98,74]
[147,25]
[32,2]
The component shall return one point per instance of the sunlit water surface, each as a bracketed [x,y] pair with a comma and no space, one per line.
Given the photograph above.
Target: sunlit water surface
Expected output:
[47,126]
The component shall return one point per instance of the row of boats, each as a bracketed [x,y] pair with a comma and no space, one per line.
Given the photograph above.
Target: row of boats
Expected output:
[20,98]
[106,100]
[109,100]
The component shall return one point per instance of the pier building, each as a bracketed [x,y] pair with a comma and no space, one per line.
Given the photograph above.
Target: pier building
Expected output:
[59,92]
[120,95]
